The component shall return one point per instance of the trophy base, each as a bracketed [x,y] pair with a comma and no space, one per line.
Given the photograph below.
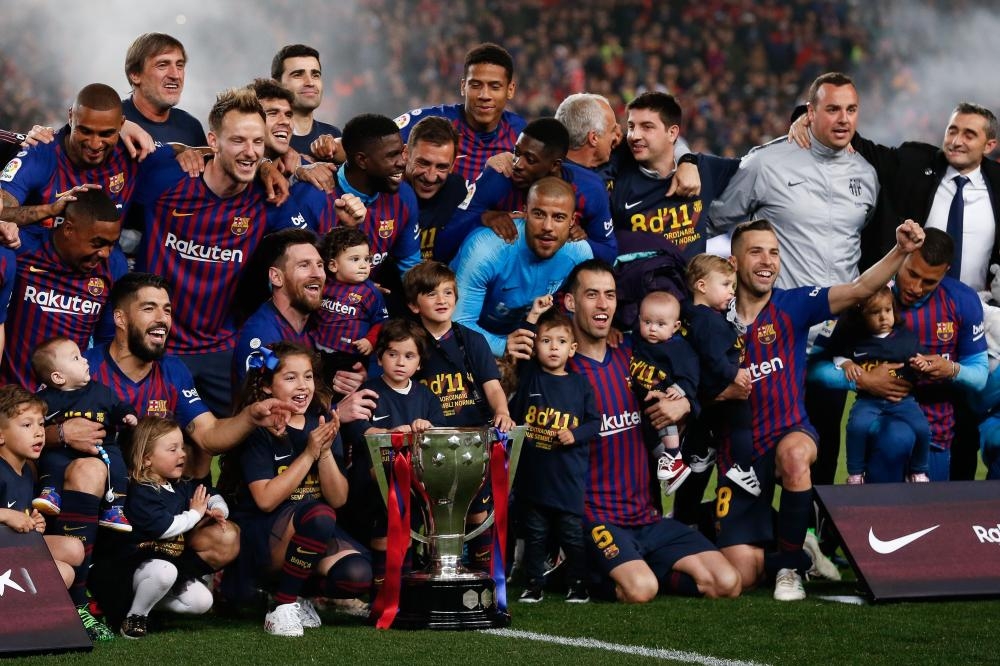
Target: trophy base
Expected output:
[449,604]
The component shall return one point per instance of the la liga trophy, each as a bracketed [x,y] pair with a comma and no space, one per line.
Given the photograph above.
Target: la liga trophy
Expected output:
[439,472]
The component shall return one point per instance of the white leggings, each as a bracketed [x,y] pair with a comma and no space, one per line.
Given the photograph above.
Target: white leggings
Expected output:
[152,584]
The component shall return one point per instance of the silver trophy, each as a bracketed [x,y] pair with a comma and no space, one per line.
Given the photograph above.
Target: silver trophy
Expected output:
[450,466]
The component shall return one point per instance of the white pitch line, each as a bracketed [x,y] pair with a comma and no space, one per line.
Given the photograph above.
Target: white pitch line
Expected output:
[638,650]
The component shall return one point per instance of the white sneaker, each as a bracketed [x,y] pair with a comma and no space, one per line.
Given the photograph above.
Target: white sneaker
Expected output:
[284,621]
[788,586]
[822,566]
[918,477]
[308,616]
[745,479]
[703,463]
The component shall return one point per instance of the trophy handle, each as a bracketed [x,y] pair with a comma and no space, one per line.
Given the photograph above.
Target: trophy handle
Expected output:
[376,444]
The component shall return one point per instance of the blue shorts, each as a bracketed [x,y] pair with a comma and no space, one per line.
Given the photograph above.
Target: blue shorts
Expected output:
[741,518]
[660,545]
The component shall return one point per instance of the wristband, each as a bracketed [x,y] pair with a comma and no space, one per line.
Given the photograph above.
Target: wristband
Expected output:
[62,434]
[955,369]
[688,158]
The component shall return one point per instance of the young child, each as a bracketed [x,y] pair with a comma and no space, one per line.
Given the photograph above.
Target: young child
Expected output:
[402,406]
[873,334]
[169,513]
[717,338]
[69,392]
[460,370]
[558,408]
[22,436]
[663,361]
[291,484]
[347,323]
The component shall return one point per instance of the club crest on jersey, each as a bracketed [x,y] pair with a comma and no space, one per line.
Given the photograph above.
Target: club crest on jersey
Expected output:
[354,297]
[855,186]
[95,286]
[240,225]
[766,334]
[385,227]
[945,330]
[611,552]
[157,408]
[116,183]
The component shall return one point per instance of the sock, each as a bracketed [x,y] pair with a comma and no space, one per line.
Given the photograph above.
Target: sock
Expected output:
[193,564]
[78,519]
[313,524]
[349,577]
[151,582]
[680,583]
[793,520]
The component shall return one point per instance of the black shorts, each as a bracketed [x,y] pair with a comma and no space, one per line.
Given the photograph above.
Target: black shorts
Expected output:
[660,545]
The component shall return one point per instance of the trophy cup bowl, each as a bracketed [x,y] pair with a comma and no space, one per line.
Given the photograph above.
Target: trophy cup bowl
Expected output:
[450,466]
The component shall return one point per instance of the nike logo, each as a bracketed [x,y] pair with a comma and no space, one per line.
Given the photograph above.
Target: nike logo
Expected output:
[892,545]
[74,529]
[10,504]
[798,182]
[32,269]
[298,549]
[860,354]
[630,206]
[534,395]
[380,418]
[276,458]
[177,213]
[49,417]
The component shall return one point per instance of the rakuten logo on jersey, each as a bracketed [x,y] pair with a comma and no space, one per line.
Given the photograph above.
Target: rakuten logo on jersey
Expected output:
[339,308]
[759,371]
[987,534]
[378,258]
[198,252]
[54,302]
[611,425]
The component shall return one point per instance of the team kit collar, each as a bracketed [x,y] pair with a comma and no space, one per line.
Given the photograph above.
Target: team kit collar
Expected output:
[346,188]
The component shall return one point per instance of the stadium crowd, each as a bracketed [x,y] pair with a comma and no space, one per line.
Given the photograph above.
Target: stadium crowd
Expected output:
[266,289]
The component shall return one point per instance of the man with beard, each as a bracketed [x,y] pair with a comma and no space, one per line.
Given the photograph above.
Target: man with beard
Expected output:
[295,277]
[495,199]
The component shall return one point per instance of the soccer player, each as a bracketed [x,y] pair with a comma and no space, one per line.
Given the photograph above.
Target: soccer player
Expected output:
[431,152]
[39,183]
[62,282]
[199,232]
[633,552]
[295,279]
[495,199]
[374,174]
[485,126]
[499,281]
[155,65]
[947,317]
[778,323]
[297,67]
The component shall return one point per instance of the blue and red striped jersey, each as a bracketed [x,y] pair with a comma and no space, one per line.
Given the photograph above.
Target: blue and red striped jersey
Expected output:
[776,357]
[167,391]
[948,322]
[348,313]
[474,148]
[265,326]
[618,479]
[51,299]
[200,242]
[495,191]
[41,174]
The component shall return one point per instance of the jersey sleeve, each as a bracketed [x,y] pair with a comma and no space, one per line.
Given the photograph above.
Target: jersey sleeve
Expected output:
[597,221]
[257,459]
[105,329]
[484,365]
[484,194]
[590,422]
[189,403]
[739,199]
[477,264]
[29,171]
[157,174]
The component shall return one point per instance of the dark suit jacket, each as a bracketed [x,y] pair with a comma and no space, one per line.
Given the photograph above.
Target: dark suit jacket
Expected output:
[909,176]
